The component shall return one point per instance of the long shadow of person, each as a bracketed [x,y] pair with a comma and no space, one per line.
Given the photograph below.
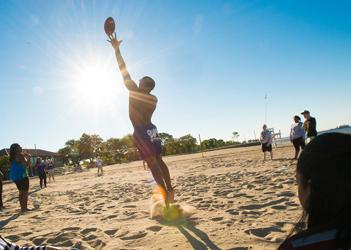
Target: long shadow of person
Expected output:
[37,189]
[3,223]
[197,238]
[204,242]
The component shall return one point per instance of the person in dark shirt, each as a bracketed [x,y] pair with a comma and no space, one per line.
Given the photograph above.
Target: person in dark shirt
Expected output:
[41,169]
[323,175]
[142,105]
[310,125]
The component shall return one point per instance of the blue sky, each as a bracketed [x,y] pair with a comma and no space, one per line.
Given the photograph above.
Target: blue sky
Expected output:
[213,63]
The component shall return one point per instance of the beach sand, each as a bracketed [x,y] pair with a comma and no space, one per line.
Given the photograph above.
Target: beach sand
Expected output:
[240,202]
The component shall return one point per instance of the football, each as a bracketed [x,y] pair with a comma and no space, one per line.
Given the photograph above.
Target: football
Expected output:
[109,26]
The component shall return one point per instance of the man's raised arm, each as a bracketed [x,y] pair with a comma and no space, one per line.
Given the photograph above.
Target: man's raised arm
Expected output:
[128,82]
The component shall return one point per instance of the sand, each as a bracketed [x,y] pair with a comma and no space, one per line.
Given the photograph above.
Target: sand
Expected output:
[240,202]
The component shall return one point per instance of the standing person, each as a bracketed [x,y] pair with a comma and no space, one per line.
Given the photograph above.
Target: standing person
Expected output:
[297,135]
[41,169]
[323,176]
[266,141]
[1,178]
[99,166]
[19,161]
[51,169]
[142,105]
[310,125]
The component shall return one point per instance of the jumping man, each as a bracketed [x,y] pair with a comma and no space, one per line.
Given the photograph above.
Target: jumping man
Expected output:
[142,105]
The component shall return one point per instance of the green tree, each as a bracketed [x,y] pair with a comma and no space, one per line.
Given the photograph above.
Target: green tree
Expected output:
[188,144]
[89,146]
[5,166]
[235,135]
[114,151]
[70,153]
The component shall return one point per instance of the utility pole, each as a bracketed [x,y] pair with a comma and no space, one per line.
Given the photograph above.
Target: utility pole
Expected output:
[265,111]
[202,152]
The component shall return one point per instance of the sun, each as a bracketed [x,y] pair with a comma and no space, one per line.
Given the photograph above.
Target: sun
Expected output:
[94,84]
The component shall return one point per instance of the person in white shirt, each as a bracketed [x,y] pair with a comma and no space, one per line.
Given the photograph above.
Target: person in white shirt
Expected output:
[99,167]
[297,135]
[266,141]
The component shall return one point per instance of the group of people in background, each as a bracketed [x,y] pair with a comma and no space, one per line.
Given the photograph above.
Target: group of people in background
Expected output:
[300,134]
[45,169]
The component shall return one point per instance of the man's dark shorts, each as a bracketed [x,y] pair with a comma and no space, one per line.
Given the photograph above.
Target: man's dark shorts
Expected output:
[147,141]
[22,185]
[266,147]
[299,142]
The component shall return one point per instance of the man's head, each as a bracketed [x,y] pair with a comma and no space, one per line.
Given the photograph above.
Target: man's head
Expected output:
[297,118]
[264,126]
[146,84]
[306,114]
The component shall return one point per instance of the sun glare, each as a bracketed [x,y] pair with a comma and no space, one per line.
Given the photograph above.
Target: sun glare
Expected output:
[94,84]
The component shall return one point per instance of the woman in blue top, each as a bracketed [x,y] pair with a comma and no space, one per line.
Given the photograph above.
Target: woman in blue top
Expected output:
[19,173]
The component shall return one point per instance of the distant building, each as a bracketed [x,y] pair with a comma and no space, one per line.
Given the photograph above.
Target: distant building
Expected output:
[33,152]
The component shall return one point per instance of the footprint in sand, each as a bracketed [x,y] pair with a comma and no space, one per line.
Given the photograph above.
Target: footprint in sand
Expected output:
[262,232]
[217,218]
[134,236]
[154,228]
[38,240]
[232,211]
[111,232]
[259,206]
[97,244]
[88,230]
[89,237]
[71,229]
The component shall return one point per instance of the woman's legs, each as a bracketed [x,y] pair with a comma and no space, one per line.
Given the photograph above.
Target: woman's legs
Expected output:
[41,181]
[44,179]
[23,199]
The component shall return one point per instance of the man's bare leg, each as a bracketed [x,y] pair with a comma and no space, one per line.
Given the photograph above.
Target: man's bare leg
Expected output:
[165,171]
[167,179]
[157,173]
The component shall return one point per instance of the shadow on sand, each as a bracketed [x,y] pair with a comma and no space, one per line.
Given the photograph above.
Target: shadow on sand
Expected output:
[3,223]
[196,237]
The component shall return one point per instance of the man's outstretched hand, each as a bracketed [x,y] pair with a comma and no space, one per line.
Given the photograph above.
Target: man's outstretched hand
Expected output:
[114,42]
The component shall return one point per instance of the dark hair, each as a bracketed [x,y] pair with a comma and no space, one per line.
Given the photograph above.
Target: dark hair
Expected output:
[147,82]
[14,150]
[297,117]
[325,164]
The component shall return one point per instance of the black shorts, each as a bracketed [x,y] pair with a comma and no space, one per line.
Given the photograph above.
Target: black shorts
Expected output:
[147,141]
[266,147]
[23,185]
[299,142]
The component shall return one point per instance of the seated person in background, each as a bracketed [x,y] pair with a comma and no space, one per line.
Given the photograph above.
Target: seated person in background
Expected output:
[323,177]
[297,135]
[7,245]
[266,141]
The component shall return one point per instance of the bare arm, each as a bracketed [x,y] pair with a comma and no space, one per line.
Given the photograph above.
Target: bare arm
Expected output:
[128,82]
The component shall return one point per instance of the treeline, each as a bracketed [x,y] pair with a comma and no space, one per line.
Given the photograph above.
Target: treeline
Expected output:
[119,150]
